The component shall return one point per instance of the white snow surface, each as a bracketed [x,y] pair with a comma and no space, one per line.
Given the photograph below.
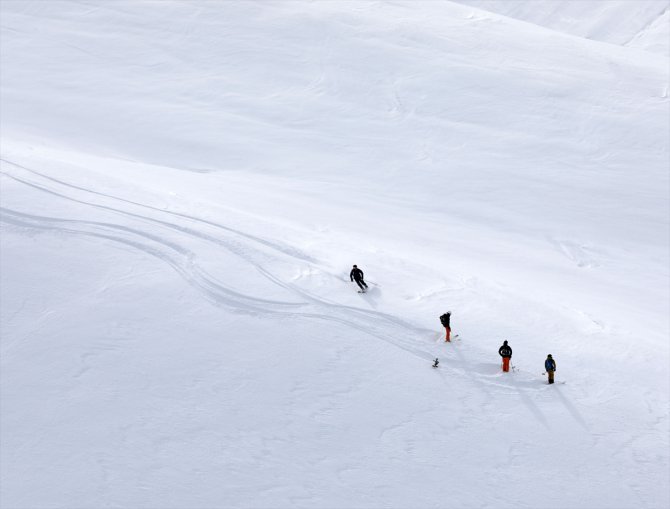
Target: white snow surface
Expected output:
[185,185]
[643,24]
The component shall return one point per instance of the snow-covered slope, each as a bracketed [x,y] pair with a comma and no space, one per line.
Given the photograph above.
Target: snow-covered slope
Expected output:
[185,186]
[642,24]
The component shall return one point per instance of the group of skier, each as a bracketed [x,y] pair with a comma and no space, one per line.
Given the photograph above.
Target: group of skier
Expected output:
[505,351]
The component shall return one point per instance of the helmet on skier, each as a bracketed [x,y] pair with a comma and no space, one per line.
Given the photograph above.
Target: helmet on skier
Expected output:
[504,342]
[355,265]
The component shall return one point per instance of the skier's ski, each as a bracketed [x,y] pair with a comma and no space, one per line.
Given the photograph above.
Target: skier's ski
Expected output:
[455,337]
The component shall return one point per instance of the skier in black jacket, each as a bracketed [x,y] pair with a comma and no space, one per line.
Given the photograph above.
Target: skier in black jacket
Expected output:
[356,274]
[446,323]
[505,352]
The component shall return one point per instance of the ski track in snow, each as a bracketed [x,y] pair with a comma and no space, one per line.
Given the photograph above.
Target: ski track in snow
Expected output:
[410,338]
[185,261]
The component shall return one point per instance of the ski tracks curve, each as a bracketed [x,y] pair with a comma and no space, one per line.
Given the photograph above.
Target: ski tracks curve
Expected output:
[253,250]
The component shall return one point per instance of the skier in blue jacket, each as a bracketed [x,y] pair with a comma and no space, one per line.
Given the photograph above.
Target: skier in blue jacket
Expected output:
[550,367]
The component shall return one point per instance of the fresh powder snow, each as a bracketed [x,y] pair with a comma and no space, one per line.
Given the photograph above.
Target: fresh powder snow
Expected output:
[185,186]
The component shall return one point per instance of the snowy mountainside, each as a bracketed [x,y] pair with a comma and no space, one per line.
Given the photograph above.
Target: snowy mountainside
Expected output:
[641,24]
[185,186]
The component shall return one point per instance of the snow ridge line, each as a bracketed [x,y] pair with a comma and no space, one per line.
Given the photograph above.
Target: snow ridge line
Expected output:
[646,27]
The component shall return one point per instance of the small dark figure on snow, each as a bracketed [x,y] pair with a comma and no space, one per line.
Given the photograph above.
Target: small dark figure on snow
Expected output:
[505,352]
[550,367]
[356,274]
[436,362]
[446,323]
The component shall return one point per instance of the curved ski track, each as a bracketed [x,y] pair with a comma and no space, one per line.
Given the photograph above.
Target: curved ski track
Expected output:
[255,251]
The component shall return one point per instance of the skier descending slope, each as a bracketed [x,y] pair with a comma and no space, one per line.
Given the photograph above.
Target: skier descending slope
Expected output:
[446,323]
[356,274]
[505,352]
[550,367]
